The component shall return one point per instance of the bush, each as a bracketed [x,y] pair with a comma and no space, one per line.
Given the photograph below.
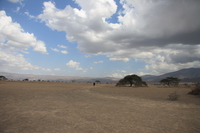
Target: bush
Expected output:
[196,90]
[174,96]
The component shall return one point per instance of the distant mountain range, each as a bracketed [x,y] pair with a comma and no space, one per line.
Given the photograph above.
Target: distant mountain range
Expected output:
[32,77]
[186,75]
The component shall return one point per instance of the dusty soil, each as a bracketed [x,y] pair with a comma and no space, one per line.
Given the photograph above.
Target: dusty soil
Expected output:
[43,107]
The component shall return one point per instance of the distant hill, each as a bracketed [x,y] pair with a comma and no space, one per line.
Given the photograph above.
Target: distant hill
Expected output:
[186,75]
[32,77]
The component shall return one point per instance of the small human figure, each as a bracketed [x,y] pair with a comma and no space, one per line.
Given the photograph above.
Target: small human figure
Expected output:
[93,83]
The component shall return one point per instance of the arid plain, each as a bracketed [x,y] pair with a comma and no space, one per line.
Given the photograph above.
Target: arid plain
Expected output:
[49,107]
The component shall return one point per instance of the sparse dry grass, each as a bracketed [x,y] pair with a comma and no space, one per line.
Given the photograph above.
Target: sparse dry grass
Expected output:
[174,96]
[79,107]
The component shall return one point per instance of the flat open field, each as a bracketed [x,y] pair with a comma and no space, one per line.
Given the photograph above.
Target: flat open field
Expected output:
[44,107]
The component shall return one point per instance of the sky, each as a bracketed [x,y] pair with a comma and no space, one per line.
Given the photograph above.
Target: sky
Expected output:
[99,38]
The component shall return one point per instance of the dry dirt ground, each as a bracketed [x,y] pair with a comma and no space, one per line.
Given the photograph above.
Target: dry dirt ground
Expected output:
[42,107]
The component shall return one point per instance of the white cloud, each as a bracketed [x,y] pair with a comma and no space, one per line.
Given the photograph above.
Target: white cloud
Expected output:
[64,51]
[12,36]
[15,1]
[123,71]
[62,46]
[116,75]
[46,69]
[119,59]
[142,73]
[40,47]
[54,49]
[73,64]
[29,15]
[57,69]
[13,62]
[152,31]
[88,56]
[84,23]
[98,62]
[162,67]
[172,58]
[17,9]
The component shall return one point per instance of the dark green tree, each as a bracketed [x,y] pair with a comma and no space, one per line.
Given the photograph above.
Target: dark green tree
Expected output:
[73,81]
[121,82]
[132,80]
[97,81]
[26,79]
[3,78]
[170,81]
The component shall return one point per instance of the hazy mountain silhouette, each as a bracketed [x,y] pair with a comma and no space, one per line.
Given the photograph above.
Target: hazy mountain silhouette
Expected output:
[186,75]
[32,77]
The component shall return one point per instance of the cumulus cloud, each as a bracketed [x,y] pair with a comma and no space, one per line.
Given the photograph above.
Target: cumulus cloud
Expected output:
[12,62]
[64,51]
[29,15]
[118,58]
[54,49]
[97,62]
[88,56]
[15,1]
[73,64]
[62,46]
[57,69]
[12,36]
[159,32]
[116,75]
[46,69]
[121,71]
[142,73]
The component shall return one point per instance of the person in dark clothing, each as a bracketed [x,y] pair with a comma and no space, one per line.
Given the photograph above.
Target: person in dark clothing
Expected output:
[93,83]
